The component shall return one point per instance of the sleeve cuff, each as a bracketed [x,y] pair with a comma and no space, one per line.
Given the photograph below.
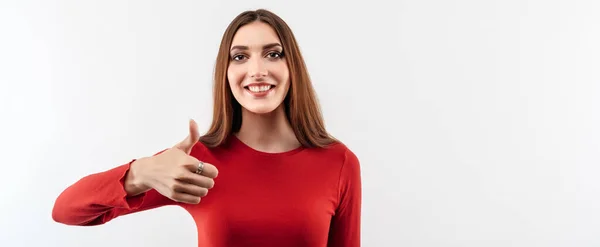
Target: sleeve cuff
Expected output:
[125,201]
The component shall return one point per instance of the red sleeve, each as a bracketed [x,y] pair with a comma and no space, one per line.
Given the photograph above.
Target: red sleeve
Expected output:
[345,225]
[98,198]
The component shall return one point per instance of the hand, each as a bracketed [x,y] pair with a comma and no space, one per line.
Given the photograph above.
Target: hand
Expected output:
[173,172]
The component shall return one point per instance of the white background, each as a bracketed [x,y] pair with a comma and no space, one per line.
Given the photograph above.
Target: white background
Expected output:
[476,122]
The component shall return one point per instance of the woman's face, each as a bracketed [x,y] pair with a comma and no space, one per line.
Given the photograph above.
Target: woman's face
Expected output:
[258,74]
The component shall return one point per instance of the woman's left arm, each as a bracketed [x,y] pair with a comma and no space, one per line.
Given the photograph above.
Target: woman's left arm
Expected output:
[345,226]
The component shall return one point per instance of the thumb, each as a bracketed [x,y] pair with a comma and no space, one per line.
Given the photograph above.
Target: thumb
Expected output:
[192,138]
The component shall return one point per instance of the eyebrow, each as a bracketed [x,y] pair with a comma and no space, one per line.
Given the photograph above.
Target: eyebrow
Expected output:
[243,47]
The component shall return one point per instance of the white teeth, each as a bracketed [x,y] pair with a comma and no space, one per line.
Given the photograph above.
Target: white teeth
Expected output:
[258,89]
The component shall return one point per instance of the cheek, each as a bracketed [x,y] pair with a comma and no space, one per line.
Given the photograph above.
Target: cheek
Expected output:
[282,74]
[234,76]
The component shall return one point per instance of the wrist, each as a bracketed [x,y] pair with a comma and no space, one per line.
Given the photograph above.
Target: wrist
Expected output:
[134,182]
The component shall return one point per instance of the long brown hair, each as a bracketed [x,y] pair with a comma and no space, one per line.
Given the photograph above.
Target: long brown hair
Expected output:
[301,105]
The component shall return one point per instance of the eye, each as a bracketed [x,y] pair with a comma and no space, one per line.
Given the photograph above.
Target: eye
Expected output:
[237,57]
[274,54]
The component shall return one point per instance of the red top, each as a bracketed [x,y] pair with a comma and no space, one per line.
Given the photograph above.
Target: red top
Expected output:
[303,197]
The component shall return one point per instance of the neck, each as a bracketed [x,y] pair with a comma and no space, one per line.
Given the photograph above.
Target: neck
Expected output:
[270,132]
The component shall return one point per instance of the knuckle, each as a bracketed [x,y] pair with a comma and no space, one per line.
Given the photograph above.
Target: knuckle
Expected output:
[181,162]
[176,197]
[176,187]
[170,186]
[181,175]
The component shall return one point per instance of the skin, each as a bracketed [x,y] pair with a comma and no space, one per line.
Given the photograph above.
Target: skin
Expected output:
[264,126]
[255,60]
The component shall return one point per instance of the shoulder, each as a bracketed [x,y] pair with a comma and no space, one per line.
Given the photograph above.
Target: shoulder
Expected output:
[351,162]
[341,153]
[349,170]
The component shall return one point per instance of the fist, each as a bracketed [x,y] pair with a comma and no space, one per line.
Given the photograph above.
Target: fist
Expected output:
[177,175]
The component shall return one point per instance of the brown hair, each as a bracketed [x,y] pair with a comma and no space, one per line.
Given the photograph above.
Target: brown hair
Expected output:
[301,105]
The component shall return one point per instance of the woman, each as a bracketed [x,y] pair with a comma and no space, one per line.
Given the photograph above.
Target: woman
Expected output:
[266,174]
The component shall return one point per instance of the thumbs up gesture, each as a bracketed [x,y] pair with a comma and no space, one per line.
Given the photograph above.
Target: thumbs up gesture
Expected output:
[174,173]
[192,138]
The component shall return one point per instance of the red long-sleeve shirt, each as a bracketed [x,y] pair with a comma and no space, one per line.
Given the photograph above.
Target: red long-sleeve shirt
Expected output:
[304,197]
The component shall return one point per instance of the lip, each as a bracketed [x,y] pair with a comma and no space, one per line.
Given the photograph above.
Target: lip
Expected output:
[259,94]
[259,84]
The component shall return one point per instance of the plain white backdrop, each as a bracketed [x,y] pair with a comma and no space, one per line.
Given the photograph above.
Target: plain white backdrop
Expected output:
[476,122]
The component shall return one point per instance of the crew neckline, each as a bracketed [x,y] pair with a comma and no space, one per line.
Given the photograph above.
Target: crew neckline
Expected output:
[245,147]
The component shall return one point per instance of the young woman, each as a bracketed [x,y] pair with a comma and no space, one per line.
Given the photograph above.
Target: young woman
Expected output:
[266,173]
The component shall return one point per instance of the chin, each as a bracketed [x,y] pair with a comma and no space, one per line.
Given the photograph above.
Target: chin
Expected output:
[260,108]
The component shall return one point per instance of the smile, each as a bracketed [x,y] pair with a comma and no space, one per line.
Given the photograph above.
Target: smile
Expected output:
[259,90]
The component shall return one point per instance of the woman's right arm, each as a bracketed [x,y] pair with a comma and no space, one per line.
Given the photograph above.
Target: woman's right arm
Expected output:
[166,178]
[101,197]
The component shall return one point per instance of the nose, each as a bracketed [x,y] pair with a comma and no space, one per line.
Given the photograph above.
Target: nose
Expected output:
[257,68]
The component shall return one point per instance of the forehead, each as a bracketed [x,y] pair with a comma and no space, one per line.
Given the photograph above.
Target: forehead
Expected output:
[255,34]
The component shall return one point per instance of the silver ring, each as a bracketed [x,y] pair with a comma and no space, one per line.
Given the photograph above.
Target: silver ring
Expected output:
[200,168]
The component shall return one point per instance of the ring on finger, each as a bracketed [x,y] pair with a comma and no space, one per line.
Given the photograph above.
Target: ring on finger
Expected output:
[200,168]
